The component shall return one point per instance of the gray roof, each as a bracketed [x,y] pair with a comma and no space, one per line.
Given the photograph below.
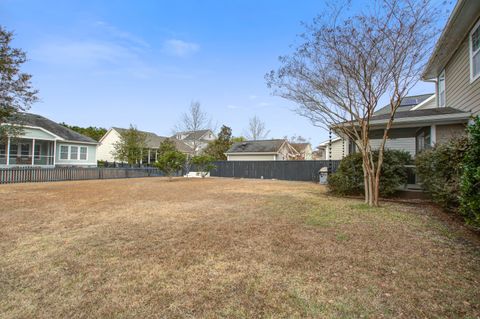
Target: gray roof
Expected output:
[29,119]
[194,135]
[153,140]
[259,146]
[406,104]
[419,113]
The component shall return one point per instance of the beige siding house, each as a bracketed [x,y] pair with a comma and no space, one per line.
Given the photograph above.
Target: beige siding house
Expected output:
[106,146]
[262,150]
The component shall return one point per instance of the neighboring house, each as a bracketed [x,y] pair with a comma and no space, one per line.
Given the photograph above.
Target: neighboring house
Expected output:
[106,147]
[319,153]
[262,150]
[304,149]
[45,143]
[196,139]
[425,120]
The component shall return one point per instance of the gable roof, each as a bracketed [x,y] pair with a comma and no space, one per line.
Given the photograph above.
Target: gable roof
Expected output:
[258,146]
[30,119]
[194,135]
[461,20]
[299,147]
[153,140]
[406,104]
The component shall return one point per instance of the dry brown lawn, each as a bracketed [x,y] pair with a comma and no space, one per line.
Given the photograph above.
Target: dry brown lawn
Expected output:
[227,248]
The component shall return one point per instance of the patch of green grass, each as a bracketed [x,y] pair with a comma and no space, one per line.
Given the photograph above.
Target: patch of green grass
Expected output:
[342,237]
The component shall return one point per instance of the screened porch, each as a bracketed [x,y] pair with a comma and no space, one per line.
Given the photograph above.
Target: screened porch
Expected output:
[27,152]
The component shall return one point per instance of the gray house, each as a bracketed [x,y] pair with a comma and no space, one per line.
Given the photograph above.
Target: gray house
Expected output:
[425,120]
[44,143]
[262,150]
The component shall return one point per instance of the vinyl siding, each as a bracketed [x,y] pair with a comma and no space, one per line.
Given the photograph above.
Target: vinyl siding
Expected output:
[91,155]
[106,147]
[460,93]
[339,150]
[404,144]
[34,133]
[429,105]
[446,132]
[253,157]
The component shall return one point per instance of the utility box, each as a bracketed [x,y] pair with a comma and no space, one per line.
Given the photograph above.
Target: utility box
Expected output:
[323,175]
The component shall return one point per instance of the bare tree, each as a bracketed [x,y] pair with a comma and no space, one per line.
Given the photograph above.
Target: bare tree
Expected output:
[192,121]
[347,64]
[256,129]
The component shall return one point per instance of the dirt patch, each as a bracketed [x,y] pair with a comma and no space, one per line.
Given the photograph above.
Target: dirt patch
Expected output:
[227,248]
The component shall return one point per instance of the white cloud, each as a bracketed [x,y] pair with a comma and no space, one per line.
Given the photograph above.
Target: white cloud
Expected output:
[252,97]
[232,107]
[180,48]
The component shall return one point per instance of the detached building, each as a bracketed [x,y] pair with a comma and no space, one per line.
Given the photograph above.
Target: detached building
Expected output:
[262,150]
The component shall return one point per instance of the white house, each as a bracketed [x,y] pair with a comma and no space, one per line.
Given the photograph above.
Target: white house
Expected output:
[44,143]
[262,150]
[196,139]
[106,147]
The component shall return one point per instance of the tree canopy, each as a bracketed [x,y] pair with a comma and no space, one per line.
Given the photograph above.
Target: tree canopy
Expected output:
[131,146]
[92,131]
[217,148]
[16,91]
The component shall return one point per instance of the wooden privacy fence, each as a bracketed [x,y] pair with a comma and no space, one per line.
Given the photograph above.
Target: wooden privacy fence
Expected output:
[38,174]
[284,170]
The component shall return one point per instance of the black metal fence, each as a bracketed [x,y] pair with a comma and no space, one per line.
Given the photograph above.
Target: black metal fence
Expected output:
[38,174]
[284,170]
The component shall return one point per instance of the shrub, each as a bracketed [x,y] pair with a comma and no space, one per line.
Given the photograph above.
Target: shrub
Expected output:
[171,162]
[348,180]
[470,181]
[439,170]
[203,163]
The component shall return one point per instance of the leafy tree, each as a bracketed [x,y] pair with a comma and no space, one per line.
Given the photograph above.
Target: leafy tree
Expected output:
[92,131]
[16,91]
[203,164]
[237,139]
[194,120]
[170,162]
[131,146]
[217,148]
[470,185]
[167,145]
[348,63]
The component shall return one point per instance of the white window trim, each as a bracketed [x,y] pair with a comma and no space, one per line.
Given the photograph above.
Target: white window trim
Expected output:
[80,153]
[473,78]
[442,74]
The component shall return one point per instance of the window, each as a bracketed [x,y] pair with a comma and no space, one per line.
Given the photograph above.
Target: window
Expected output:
[441,89]
[475,52]
[73,152]
[83,153]
[3,152]
[25,150]
[13,150]
[64,152]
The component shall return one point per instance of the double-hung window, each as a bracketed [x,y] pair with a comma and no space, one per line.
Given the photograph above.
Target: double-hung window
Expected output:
[83,153]
[73,152]
[64,152]
[475,52]
[441,89]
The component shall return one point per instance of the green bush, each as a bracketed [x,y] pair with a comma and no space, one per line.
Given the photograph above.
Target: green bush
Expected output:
[203,164]
[439,170]
[470,182]
[348,180]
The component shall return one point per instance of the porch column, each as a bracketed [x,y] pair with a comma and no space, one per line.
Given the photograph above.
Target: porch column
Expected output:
[433,135]
[148,156]
[156,156]
[8,151]
[54,151]
[33,151]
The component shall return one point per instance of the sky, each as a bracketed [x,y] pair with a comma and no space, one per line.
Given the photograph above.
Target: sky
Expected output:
[116,63]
